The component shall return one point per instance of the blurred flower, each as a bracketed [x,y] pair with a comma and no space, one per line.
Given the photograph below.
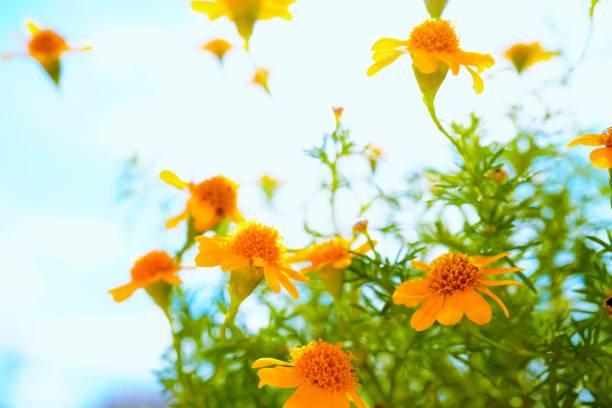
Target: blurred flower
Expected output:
[260,77]
[322,373]
[211,201]
[608,305]
[251,246]
[524,56]
[218,47]
[601,157]
[330,259]
[434,48]
[360,227]
[338,111]
[450,289]
[152,268]
[373,154]
[268,185]
[435,7]
[46,46]
[498,175]
[244,13]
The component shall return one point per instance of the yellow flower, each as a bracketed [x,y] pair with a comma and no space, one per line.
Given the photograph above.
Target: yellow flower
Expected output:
[210,201]
[330,259]
[601,157]
[260,77]
[451,288]
[322,373]
[433,46]
[373,154]
[154,267]
[252,246]
[244,13]
[218,47]
[524,56]
[47,47]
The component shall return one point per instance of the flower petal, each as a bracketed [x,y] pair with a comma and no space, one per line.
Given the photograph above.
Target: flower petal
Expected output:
[377,66]
[475,306]
[593,139]
[281,377]
[268,361]
[424,62]
[452,310]
[171,278]
[489,282]
[601,158]
[213,10]
[307,396]
[496,299]
[420,265]
[411,293]
[234,262]
[176,220]
[356,398]
[386,44]
[170,178]
[485,260]
[478,82]
[295,275]
[271,279]
[426,315]
[498,271]
[123,292]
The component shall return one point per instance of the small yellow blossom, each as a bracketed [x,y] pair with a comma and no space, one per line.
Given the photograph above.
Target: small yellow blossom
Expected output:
[373,154]
[219,47]
[451,288]
[601,157]
[269,185]
[210,201]
[47,47]
[524,55]
[434,48]
[338,111]
[260,77]
[253,246]
[322,373]
[244,13]
[154,267]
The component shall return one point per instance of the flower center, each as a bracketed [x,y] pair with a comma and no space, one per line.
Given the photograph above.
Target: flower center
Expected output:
[47,44]
[434,35]
[219,192]
[253,240]
[151,264]
[330,251]
[325,365]
[452,272]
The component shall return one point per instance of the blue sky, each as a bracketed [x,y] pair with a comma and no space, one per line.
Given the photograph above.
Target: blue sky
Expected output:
[146,89]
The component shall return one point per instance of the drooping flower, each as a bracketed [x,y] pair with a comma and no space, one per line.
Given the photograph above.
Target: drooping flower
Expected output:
[373,154]
[452,288]
[524,55]
[210,202]
[269,185]
[47,47]
[330,258]
[219,47]
[322,373]
[152,268]
[252,246]
[260,78]
[601,157]
[434,48]
[244,13]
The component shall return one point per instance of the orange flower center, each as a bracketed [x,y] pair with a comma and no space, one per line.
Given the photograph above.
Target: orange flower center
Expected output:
[152,264]
[434,35]
[47,44]
[253,240]
[452,272]
[325,365]
[219,192]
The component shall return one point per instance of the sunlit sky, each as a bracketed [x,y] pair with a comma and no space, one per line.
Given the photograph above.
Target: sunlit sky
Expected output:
[147,89]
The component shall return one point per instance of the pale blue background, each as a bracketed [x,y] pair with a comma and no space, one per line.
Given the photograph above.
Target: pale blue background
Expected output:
[146,89]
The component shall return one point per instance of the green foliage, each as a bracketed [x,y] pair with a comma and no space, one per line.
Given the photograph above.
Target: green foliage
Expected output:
[553,351]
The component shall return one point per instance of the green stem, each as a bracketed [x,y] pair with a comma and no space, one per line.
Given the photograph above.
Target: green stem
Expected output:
[228,323]
[178,364]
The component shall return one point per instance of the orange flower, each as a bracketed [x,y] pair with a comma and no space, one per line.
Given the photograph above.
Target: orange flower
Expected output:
[244,13]
[156,266]
[218,47]
[321,372]
[338,111]
[602,157]
[451,289]
[433,46]
[252,246]
[46,46]
[211,201]
[260,77]
[524,56]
